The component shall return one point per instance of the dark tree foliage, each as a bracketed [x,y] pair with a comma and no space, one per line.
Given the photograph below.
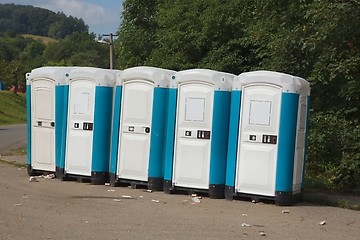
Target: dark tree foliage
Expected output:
[38,21]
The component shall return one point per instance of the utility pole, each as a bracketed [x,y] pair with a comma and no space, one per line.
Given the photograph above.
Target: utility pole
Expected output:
[110,35]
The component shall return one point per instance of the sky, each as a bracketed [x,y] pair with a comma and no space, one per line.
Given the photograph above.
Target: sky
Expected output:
[102,16]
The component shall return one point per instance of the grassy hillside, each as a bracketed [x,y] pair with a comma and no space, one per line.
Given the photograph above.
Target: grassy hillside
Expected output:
[12,108]
[45,40]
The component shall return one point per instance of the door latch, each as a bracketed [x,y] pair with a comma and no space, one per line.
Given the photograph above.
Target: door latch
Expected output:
[52,124]
[147,130]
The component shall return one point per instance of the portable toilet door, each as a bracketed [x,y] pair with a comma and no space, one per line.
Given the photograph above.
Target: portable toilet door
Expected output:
[267,137]
[88,124]
[199,145]
[141,131]
[45,92]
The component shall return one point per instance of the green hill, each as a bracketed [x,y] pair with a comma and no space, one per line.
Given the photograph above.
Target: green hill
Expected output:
[45,40]
[12,108]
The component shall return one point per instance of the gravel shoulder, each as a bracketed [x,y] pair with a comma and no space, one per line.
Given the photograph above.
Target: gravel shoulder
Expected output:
[51,209]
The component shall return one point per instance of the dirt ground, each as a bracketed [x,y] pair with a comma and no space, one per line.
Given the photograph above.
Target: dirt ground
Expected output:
[51,209]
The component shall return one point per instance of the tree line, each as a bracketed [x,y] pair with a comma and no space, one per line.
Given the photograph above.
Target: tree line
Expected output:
[318,40]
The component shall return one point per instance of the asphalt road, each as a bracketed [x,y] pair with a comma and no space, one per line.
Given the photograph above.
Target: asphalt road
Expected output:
[12,137]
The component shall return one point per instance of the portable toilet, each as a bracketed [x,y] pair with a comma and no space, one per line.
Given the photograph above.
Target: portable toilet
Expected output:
[197,132]
[88,124]
[140,114]
[267,140]
[45,88]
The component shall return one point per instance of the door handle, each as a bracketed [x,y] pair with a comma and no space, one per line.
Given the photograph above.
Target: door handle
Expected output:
[39,123]
[147,130]
[53,124]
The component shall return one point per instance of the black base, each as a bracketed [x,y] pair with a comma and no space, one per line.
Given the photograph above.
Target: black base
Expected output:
[57,171]
[60,173]
[113,181]
[168,188]
[33,172]
[229,192]
[283,198]
[216,191]
[155,184]
[99,178]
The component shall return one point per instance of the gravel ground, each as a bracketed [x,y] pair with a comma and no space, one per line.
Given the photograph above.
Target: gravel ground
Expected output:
[51,209]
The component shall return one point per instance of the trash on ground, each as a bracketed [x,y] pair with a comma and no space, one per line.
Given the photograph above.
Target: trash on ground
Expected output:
[25,197]
[117,200]
[245,225]
[149,190]
[285,211]
[33,179]
[254,201]
[322,223]
[111,190]
[155,200]
[196,200]
[244,215]
[141,196]
[17,204]
[262,233]
[49,176]
[126,196]
[194,195]
[107,184]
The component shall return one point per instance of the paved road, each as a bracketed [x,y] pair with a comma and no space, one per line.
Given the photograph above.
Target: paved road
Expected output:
[12,137]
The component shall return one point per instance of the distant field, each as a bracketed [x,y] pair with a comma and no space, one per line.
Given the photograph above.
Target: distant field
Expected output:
[45,40]
[12,108]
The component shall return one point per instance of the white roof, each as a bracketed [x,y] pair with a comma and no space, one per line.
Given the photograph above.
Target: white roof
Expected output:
[56,74]
[101,77]
[220,80]
[288,82]
[159,76]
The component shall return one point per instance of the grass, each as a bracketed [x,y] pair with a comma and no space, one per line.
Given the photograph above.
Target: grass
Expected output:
[13,163]
[327,200]
[12,108]
[17,152]
[45,40]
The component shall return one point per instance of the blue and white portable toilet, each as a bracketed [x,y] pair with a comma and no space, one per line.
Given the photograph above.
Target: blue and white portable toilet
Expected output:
[267,140]
[88,126]
[45,88]
[197,132]
[138,135]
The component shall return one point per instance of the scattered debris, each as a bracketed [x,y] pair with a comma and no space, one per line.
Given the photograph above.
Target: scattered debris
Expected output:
[33,179]
[111,190]
[17,204]
[196,200]
[107,184]
[49,176]
[157,201]
[263,234]
[117,200]
[86,221]
[194,195]
[85,199]
[141,196]
[244,215]
[149,190]
[285,211]
[245,225]
[25,197]
[322,223]
[253,201]
[126,196]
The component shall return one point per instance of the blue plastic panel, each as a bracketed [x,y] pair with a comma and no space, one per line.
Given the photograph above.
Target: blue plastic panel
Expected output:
[286,143]
[64,126]
[233,138]
[59,118]
[157,141]
[219,139]
[115,129]
[28,109]
[170,134]
[102,129]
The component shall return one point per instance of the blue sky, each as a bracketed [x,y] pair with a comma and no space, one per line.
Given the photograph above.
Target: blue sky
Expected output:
[102,16]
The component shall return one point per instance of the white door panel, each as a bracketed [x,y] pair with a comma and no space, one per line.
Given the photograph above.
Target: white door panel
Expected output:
[135,129]
[258,137]
[193,135]
[79,143]
[43,125]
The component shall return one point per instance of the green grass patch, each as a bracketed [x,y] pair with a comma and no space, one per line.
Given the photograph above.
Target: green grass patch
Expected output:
[12,108]
[328,200]
[45,40]
[17,152]
[13,163]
